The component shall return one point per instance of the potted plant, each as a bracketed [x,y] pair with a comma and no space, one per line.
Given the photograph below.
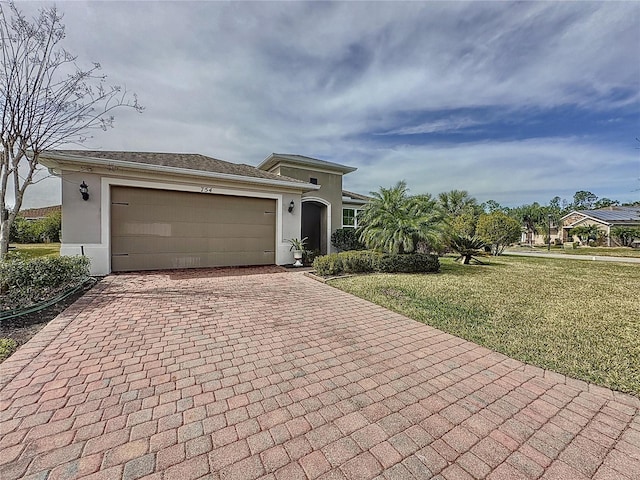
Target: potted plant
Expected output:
[298,249]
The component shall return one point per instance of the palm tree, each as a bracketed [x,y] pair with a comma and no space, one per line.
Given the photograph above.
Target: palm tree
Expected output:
[460,211]
[395,222]
[456,202]
[466,246]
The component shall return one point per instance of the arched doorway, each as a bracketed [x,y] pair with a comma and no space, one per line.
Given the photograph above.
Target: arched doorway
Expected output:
[315,217]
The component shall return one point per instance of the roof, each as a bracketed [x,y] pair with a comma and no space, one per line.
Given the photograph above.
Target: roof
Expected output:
[275,158]
[40,212]
[188,161]
[611,214]
[351,197]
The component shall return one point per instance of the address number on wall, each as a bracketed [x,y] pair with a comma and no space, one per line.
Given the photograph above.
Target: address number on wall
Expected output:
[206,189]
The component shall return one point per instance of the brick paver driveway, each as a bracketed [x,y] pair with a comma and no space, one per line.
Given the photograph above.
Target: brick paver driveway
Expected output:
[220,375]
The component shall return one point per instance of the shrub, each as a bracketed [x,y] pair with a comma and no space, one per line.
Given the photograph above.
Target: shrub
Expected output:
[414,263]
[360,261]
[369,261]
[25,282]
[44,230]
[7,347]
[625,236]
[346,239]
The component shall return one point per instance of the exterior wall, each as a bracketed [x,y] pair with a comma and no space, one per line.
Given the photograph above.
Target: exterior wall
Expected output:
[86,224]
[330,190]
[587,221]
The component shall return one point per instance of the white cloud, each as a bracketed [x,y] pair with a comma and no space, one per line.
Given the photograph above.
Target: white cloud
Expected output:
[238,80]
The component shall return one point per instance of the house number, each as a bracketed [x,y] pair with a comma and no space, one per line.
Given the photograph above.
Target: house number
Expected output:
[206,189]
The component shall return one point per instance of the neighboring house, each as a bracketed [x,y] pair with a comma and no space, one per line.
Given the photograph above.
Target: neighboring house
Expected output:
[33,214]
[605,218]
[151,211]
[539,238]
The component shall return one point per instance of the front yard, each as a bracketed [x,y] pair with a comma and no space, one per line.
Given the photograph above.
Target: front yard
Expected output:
[581,319]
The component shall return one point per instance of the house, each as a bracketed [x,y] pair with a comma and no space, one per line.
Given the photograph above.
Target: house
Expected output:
[33,214]
[539,238]
[605,218]
[132,211]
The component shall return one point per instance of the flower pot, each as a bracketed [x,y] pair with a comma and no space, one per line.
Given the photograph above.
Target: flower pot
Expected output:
[297,255]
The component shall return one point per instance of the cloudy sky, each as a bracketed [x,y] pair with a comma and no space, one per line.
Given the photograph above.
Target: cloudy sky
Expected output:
[516,102]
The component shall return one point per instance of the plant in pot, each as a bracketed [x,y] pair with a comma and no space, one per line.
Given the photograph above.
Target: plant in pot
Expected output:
[298,249]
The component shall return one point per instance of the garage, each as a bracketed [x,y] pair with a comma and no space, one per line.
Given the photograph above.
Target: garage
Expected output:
[162,229]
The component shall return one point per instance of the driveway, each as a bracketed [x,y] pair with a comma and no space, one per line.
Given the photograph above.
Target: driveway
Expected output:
[248,373]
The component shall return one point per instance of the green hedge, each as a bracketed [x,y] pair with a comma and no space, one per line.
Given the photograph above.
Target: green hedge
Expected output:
[26,282]
[368,262]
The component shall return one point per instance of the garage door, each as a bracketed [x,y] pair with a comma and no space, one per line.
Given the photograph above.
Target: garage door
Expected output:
[159,229]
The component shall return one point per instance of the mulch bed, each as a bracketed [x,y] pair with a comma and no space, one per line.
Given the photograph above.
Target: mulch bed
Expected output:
[21,329]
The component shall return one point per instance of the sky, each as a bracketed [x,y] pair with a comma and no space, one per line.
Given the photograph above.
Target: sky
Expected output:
[512,101]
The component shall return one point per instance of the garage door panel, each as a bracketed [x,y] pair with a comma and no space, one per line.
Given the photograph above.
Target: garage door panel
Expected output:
[135,230]
[120,263]
[157,229]
[173,214]
[202,245]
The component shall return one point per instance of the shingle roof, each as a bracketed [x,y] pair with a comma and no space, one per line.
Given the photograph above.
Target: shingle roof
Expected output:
[189,161]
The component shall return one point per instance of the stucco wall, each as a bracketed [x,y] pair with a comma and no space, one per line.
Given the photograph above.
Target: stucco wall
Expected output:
[80,218]
[330,189]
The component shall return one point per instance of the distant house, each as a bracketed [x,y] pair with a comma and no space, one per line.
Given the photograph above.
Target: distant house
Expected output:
[33,214]
[605,218]
[539,238]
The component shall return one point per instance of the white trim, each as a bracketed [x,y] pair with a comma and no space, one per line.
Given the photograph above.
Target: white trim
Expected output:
[307,169]
[105,206]
[328,205]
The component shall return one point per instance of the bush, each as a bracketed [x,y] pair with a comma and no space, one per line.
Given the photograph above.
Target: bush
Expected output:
[7,347]
[26,282]
[360,261]
[346,239]
[369,261]
[414,263]
[44,230]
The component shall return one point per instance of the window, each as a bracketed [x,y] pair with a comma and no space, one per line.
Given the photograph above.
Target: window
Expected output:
[313,180]
[349,217]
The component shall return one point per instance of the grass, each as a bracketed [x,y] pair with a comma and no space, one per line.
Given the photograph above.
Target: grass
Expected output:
[34,250]
[601,251]
[577,318]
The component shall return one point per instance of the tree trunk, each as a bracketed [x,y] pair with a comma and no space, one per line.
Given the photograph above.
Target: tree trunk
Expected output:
[467,260]
[4,238]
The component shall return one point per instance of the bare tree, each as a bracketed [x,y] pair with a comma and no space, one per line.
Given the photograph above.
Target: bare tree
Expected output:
[46,100]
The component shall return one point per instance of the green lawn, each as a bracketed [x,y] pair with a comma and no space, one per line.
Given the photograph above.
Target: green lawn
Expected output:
[577,318]
[602,251]
[34,250]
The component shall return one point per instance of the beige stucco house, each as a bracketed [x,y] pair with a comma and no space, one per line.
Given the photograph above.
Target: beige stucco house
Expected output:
[149,211]
[605,218]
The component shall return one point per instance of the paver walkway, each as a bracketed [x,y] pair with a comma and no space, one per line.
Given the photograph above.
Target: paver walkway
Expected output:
[217,375]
